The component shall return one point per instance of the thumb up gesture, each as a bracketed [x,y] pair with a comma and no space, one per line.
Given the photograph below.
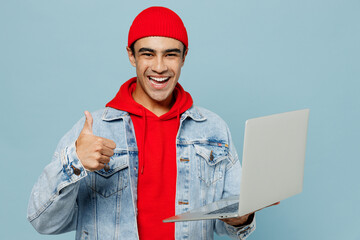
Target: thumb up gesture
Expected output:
[93,151]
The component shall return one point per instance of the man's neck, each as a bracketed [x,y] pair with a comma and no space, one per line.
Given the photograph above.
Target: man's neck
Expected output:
[158,108]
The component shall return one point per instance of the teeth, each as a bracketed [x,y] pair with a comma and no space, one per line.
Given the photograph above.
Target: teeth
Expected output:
[159,79]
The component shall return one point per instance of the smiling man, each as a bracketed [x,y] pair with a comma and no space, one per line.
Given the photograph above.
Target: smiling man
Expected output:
[150,154]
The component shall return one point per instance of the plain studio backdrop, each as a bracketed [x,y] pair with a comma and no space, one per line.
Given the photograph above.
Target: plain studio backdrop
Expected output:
[246,59]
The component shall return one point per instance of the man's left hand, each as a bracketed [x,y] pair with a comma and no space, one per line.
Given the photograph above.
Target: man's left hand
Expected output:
[237,221]
[243,220]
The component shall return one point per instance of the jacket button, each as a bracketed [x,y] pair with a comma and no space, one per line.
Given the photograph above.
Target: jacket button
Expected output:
[183,202]
[76,170]
[211,156]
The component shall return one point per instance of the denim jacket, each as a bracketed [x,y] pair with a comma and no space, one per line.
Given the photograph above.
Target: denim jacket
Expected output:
[102,204]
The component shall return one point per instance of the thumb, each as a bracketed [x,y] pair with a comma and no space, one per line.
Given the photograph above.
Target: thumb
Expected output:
[88,123]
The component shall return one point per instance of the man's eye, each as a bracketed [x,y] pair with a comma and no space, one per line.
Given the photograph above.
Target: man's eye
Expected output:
[147,54]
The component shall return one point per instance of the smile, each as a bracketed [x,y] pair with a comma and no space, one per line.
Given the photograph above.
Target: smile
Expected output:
[158,82]
[159,79]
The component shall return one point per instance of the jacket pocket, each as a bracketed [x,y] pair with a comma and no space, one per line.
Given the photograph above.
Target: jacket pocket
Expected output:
[107,183]
[212,161]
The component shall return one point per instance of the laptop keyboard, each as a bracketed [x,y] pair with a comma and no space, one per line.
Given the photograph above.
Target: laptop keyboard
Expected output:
[228,209]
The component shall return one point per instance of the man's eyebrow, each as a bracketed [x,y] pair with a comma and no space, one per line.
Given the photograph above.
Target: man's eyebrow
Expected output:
[173,50]
[146,50]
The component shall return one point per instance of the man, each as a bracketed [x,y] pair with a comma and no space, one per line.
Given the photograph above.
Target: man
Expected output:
[148,155]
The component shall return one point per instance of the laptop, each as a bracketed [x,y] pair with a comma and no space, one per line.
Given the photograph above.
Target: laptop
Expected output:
[272,167]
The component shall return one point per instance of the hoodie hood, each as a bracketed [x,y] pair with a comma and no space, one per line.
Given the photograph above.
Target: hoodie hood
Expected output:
[144,120]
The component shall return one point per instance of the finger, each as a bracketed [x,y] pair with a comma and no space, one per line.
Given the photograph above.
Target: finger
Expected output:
[274,204]
[104,159]
[99,166]
[88,123]
[226,220]
[236,220]
[277,203]
[107,151]
[109,143]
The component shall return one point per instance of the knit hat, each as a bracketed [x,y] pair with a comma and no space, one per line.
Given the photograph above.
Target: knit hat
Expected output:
[157,21]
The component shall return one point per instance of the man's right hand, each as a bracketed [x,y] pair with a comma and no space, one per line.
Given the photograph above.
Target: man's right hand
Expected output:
[93,151]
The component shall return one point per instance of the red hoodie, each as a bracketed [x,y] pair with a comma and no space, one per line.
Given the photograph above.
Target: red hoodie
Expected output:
[156,140]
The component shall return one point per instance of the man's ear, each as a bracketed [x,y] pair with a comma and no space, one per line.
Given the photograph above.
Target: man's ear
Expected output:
[184,56]
[131,56]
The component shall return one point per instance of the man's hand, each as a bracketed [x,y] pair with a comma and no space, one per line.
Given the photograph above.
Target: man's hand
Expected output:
[238,221]
[93,151]
[243,220]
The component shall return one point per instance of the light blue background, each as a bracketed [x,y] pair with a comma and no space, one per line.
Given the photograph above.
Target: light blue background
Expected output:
[246,59]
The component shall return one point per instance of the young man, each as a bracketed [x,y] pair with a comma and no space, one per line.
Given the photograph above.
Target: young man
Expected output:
[150,154]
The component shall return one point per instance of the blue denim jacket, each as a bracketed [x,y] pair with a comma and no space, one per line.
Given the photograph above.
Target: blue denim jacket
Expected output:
[102,205]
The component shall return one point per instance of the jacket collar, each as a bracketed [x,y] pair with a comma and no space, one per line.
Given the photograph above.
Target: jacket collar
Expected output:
[193,113]
[111,114]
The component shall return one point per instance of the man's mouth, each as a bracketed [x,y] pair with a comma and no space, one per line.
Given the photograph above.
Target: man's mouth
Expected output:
[158,82]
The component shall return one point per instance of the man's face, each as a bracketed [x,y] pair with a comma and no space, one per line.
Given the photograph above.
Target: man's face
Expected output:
[158,62]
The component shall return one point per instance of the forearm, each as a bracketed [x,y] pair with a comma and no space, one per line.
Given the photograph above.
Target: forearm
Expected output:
[52,207]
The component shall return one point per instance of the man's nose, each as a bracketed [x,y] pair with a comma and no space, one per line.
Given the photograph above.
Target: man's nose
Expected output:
[159,65]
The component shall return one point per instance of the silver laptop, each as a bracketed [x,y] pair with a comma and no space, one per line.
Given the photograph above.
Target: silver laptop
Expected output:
[272,167]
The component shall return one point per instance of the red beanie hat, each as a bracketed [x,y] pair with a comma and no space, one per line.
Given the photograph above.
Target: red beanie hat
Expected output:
[157,21]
